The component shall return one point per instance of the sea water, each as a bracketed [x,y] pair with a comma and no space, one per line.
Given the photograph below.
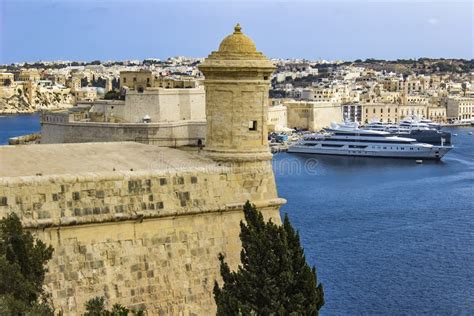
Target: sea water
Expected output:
[17,125]
[387,236]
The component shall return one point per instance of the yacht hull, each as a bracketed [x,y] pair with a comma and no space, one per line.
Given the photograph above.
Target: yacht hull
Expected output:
[434,153]
[433,137]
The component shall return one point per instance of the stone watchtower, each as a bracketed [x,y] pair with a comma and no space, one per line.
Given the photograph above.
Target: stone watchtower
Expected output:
[237,83]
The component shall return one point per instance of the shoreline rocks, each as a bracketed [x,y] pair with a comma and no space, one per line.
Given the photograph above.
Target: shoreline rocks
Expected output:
[34,138]
[43,100]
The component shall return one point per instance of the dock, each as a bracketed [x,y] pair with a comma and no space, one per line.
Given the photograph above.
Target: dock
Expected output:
[278,148]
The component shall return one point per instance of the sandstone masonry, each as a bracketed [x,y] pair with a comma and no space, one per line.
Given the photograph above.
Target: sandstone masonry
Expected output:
[143,225]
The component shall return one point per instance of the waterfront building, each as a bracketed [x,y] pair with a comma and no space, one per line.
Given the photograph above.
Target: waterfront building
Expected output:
[392,112]
[460,108]
[414,109]
[277,118]
[312,115]
[437,113]
[379,112]
[352,113]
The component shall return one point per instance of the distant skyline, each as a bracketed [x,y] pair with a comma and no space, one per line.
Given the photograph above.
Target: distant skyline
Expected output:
[333,30]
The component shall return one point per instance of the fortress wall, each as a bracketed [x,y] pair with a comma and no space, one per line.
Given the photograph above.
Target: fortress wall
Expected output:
[165,105]
[163,134]
[144,239]
[137,105]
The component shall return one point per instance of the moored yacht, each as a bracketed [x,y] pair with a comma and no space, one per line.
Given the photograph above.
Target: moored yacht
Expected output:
[352,141]
[422,130]
[376,126]
[419,122]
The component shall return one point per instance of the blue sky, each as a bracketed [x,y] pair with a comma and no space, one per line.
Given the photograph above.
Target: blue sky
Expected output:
[118,30]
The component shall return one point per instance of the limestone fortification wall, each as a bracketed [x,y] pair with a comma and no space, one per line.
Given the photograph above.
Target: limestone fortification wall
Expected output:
[165,105]
[312,115]
[163,134]
[151,238]
[143,239]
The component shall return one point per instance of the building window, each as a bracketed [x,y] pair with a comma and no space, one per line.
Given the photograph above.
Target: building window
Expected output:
[124,80]
[252,125]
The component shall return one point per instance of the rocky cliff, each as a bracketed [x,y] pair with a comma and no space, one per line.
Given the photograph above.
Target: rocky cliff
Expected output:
[43,99]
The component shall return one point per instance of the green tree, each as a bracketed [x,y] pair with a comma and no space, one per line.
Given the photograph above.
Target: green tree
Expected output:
[23,260]
[112,95]
[96,307]
[273,277]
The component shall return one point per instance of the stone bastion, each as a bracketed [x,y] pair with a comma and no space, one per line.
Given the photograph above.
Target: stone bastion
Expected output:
[139,224]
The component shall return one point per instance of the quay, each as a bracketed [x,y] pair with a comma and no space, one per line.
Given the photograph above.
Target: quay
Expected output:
[278,148]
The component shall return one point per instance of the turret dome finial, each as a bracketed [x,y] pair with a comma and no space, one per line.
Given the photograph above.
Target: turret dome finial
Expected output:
[237,28]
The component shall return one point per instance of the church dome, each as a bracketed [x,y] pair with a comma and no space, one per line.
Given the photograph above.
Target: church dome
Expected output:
[237,42]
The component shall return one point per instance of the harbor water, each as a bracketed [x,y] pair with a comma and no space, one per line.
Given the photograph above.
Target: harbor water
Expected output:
[388,236]
[18,125]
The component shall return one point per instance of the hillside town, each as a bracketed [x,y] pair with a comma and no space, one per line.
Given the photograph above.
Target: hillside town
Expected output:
[304,94]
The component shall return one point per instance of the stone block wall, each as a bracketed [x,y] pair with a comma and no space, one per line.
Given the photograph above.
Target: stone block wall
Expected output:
[163,134]
[165,105]
[145,239]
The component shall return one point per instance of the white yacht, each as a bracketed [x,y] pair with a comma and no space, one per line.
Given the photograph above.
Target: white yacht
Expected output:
[376,126]
[413,124]
[431,124]
[422,130]
[420,122]
[352,141]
